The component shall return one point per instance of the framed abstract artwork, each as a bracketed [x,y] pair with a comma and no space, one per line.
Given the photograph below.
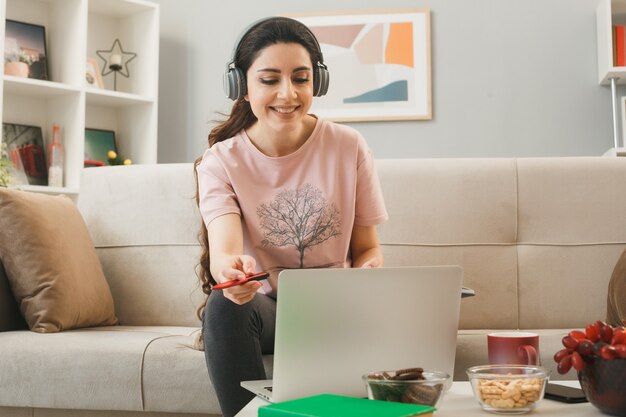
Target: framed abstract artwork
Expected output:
[379,64]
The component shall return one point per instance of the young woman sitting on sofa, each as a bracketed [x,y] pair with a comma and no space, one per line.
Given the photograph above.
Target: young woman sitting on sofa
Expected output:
[277,188]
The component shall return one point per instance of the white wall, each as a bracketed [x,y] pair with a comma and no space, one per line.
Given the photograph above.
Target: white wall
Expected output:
[510,77]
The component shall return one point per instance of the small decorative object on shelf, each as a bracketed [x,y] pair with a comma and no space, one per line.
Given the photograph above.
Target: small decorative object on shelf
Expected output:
[55,155]
[598,354]
[11,172]
[90,163]
[116,61]
[18,64]
[115,159]
[92,74]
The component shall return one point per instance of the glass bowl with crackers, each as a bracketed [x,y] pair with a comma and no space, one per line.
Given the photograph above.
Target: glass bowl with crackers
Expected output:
[410,385]
[508,389]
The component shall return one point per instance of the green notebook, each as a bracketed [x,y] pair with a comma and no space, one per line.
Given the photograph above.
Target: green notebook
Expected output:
[329,405]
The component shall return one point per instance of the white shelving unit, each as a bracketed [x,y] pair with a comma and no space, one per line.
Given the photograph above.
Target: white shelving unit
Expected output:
[609,13]
[75,30]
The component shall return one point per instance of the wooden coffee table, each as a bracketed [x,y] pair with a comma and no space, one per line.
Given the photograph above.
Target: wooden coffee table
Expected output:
[459,401]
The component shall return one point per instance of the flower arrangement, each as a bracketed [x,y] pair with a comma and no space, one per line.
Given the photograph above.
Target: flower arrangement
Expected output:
[599,339]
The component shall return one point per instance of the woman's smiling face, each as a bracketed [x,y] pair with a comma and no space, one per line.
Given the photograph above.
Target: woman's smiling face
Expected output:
[280,87]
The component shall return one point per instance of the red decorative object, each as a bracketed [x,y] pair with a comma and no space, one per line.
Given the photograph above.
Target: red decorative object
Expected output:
[598,354]
[92,163]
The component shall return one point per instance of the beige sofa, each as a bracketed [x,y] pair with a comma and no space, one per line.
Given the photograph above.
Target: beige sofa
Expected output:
[537,238]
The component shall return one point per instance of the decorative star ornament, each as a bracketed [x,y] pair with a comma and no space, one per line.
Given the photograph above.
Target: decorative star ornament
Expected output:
[116,59]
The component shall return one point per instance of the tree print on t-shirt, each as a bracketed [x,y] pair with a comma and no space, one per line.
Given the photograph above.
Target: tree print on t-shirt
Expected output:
[301,218]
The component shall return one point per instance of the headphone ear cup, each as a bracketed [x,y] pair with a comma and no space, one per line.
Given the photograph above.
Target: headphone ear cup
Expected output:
[234,84]
[321,80]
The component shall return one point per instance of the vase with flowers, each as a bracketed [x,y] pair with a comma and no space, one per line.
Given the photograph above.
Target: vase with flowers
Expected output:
[598,354]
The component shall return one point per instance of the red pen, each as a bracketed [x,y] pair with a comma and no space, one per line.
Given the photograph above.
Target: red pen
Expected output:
[254,277]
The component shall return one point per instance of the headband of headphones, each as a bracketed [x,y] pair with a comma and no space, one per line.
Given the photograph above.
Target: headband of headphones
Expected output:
[235,80]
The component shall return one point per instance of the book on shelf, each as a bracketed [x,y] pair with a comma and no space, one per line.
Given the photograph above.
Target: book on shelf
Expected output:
[330,405]
[619,46]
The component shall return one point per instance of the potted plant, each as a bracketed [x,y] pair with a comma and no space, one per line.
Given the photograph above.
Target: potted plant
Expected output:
[6,167]
[18,63]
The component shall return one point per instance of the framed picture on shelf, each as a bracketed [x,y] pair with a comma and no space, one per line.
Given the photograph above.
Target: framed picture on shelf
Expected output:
[25,147]
[25,50]
[378,61]
[98,143]
[92,74]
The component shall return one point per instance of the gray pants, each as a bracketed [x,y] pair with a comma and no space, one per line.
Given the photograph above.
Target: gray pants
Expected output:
[235,339]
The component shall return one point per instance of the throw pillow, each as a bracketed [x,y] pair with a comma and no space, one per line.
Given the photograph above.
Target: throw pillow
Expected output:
[51,263]
[616,300]
[10,317]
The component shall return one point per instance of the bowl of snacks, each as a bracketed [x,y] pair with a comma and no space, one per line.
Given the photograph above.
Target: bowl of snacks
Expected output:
[508,389]
[411,386]
[598,354]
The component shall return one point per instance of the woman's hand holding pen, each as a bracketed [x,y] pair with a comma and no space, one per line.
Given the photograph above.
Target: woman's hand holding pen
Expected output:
[238,267]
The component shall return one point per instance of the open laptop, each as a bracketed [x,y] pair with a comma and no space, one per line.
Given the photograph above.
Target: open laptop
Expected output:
[335,325]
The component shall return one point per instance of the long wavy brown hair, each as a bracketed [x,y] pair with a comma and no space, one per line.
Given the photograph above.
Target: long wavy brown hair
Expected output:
[258,37]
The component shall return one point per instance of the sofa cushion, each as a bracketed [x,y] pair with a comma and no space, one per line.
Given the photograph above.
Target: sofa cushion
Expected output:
[10,317]
[567,246]
[175,377]
[51,263]
[96,369]
[134,248]
[457,212]
[563,287]
[616,298]
[563,200]
[173,295]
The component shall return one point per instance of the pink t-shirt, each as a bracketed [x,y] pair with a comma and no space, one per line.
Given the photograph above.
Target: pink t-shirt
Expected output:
[297,211]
